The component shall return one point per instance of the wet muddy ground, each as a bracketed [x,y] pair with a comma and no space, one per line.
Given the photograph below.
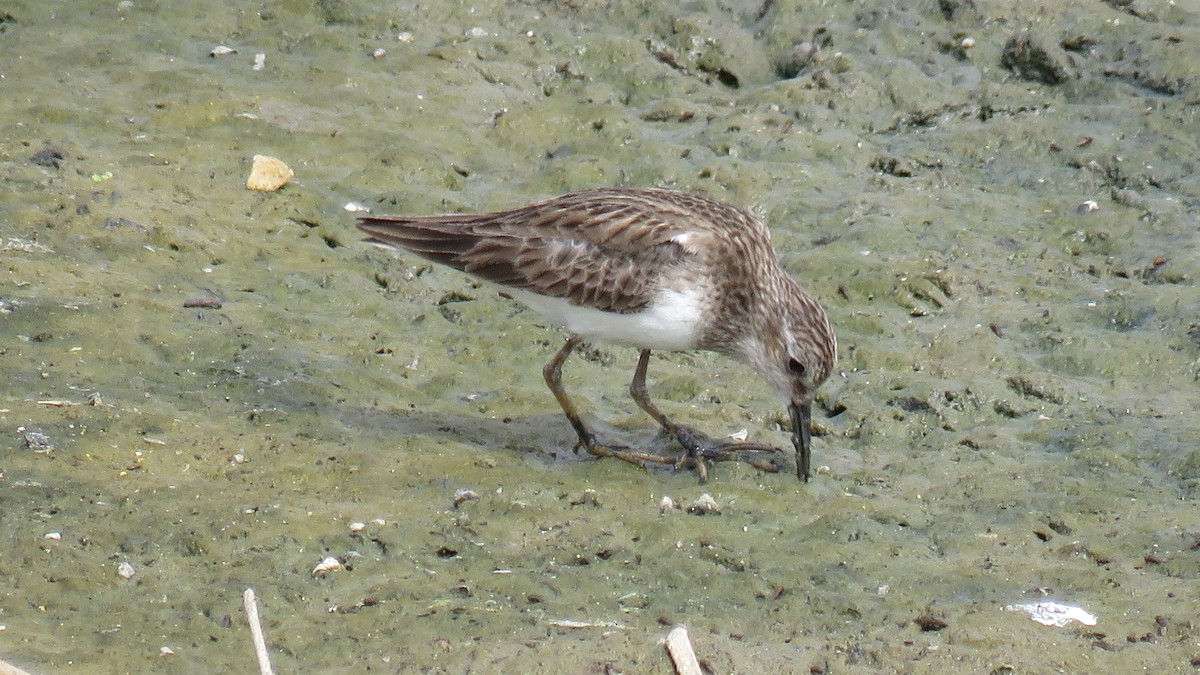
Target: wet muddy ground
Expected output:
[997,203]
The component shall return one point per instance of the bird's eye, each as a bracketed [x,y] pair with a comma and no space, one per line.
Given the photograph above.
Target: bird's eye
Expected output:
[796,367]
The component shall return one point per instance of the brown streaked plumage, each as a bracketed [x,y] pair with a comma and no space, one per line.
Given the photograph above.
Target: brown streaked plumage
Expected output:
[647,268]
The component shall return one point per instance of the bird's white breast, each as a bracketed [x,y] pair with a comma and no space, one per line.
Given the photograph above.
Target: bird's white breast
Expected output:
[671,322]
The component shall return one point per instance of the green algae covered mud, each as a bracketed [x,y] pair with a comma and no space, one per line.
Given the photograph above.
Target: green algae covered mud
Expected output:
[207,388]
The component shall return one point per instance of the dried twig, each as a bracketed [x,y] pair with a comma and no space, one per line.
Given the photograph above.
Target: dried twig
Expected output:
[680,649]
[256,631]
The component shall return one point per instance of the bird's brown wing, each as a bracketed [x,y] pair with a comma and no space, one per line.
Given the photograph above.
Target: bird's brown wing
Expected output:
[603,249]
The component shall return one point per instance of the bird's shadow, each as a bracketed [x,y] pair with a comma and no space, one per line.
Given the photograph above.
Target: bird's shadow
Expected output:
[546,437]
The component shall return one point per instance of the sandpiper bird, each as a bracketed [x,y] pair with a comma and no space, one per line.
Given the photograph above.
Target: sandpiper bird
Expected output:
[648,268]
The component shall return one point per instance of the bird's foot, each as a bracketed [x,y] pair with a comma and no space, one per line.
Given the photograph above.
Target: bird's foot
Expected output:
[697,448]
[620,452]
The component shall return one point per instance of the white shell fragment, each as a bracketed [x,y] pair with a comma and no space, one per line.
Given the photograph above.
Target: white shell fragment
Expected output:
[1051,613]
[704,506]
[355,207]
[379,53]
[357,527]
[125,570]
[268,174]
[667,505]
[221,50]
[740,435]
[55,536]
[327,565]
[260,61]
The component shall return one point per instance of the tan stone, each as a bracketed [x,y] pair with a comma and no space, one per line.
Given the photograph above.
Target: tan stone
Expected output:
[268,174]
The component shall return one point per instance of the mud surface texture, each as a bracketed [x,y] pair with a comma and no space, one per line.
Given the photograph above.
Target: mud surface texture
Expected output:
[207,388]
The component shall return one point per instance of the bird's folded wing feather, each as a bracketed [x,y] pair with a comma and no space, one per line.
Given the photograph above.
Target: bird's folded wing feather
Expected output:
[603,253]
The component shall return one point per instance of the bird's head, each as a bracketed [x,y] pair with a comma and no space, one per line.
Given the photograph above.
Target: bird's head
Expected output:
[795,350]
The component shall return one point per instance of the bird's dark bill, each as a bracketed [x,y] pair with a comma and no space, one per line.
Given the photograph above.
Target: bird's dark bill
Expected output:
[801,414]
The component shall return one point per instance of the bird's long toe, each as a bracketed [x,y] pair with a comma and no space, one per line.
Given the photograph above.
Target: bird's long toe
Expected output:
[622,452]
[698,449]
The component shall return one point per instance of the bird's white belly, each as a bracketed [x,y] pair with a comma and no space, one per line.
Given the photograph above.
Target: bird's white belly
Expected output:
[671,322]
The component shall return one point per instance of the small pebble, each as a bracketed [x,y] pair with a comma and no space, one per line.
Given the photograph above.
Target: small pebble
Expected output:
[125,570]
[589,497]
[221,50]
[667,505]
[327,565]
[53,536]
[801,57]
[260,61]
[1131,198]
[704,506]
[268,174]
[38,442]
[464,495]
[967,43]
[379,53]
[166,651]
[1087,207]
[357,527]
